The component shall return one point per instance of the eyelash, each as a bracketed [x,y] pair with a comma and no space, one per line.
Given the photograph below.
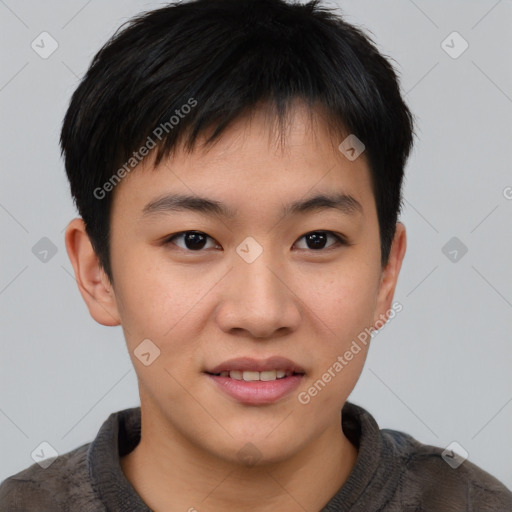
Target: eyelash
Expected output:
[340,240]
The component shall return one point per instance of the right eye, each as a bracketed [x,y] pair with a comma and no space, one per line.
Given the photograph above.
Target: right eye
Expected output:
[192,240]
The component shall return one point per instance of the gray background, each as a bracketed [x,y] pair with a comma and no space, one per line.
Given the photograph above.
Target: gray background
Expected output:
[440,370]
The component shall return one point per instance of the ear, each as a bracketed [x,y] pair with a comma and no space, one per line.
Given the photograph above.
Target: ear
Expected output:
[91,279]
[389,277]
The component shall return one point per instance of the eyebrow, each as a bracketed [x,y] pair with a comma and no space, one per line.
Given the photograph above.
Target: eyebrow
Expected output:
[345,203]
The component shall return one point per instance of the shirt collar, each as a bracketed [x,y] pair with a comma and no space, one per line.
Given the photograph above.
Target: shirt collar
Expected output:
[120,434]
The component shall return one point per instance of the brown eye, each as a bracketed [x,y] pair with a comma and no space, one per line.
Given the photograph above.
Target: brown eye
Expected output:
[191,240]
[317,240]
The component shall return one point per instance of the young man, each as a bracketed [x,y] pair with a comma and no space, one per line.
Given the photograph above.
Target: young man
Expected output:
[237,165]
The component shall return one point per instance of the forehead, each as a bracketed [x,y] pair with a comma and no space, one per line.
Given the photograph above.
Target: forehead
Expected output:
[253,163]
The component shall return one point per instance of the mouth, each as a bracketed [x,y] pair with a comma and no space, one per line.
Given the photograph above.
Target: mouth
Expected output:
[257,382]
[253,376]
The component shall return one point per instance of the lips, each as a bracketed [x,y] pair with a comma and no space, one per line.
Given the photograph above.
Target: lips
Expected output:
[257,382]
[246,364]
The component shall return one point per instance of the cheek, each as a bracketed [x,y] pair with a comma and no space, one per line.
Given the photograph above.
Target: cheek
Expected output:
[343,301]
[157,299]
[343,307]
[165,307]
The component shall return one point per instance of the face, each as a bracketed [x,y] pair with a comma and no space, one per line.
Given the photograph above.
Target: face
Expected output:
[249,285]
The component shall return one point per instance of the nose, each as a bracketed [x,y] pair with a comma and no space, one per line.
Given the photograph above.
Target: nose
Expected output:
[257,298]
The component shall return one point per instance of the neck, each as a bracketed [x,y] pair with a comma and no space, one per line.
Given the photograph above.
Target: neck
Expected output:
[192,480]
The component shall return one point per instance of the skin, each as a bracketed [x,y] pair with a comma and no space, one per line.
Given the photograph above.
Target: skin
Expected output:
[204,307]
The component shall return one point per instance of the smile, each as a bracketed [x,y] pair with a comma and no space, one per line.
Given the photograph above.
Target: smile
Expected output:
[251,376]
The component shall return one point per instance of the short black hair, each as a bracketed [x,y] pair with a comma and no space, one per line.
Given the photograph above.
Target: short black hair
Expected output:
[214,61]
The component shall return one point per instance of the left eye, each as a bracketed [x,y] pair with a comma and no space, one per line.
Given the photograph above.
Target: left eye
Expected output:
[197,240]
[318,239]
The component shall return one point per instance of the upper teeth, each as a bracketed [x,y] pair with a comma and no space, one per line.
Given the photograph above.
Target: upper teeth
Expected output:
[250,375]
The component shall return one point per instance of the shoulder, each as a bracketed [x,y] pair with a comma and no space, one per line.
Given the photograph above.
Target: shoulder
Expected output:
[433,478]
[49,489]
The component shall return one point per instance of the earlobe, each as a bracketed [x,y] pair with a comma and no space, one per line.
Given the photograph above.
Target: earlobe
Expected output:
[90,277]
[389,276]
